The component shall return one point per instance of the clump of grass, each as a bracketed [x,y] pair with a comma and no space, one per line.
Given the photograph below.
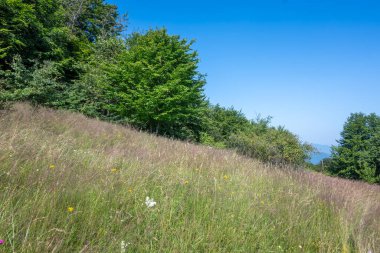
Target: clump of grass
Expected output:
[72,184]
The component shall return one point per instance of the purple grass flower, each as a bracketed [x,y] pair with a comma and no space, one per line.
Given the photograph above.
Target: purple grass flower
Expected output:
[1,242]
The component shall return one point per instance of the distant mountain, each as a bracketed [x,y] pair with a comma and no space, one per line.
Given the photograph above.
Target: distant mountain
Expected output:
[323,151]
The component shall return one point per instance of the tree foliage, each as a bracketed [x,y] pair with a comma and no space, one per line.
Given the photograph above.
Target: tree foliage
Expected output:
[92,19]
[227,127]
[38,84]
[43,48]
[157,87]
[220,123]
[357,155]
[53,30]
[275,145]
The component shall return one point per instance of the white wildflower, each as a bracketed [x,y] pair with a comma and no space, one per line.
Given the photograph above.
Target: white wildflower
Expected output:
[150,202]
[124,245]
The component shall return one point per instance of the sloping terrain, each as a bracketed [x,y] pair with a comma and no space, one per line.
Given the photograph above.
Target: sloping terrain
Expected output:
[73,184]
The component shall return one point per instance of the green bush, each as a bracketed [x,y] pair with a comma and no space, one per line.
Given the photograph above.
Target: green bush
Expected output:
[38,84]
[227,127]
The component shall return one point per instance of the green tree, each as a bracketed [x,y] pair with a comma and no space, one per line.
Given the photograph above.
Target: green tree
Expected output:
[156,86]
[220,123]
[90,93]
[54,30]
[35,31]
[357,155]
[93,19]
[20,30]
[43,49]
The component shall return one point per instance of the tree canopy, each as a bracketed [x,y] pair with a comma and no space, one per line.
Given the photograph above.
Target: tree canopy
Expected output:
[357,155]
[156,85]
[53,29]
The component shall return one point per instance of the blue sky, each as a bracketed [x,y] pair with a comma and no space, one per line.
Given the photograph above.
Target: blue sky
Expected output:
[306,63]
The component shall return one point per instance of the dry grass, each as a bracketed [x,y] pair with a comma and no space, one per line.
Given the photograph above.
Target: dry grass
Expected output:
[208,200]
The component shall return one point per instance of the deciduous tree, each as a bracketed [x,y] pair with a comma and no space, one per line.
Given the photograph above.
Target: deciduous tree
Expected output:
[157,85]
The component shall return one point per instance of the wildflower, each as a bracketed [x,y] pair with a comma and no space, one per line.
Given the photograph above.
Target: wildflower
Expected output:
[52,166]
[300,246]
[225,177]
[150,202]
[130,190]
[1,242]
[114,170]
[70,209]
[124,245]
[345,248]
[186,182]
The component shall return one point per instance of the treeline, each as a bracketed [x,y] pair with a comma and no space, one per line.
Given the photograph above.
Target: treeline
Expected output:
[70,54]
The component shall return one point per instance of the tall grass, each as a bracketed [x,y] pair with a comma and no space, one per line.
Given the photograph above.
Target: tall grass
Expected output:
[72,184]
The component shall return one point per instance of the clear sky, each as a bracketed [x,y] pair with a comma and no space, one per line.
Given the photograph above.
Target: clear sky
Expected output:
[306,63]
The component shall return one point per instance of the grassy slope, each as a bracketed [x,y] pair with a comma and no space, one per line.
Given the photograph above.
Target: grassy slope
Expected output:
[207,200]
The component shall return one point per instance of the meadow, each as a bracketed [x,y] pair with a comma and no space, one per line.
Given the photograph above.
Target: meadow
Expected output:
[73,184]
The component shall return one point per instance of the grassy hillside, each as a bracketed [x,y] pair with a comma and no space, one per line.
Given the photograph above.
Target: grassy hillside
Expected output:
[72,184]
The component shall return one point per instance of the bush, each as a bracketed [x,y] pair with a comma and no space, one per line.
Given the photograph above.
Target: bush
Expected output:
[39,84]
[227,127]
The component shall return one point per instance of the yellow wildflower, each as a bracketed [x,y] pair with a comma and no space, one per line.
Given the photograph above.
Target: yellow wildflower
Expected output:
[345,248]
[114,170]
[225,177]
[186,182]
[70,209]
[52,166]
[130,190]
